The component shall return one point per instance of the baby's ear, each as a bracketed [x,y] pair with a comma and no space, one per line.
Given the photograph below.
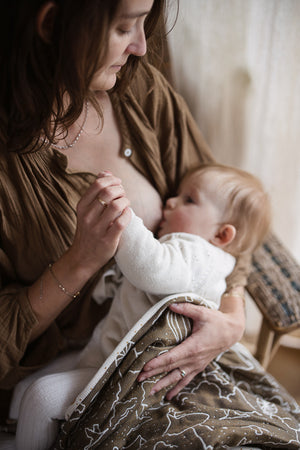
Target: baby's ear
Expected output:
[224,236]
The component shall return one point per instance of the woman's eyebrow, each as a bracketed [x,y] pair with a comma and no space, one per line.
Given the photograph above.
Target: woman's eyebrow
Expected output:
[134,15]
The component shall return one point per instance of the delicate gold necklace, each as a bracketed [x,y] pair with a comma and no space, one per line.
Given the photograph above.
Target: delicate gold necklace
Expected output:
[74,142]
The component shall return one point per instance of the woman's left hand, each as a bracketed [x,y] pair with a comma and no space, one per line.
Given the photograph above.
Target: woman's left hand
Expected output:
[213,332]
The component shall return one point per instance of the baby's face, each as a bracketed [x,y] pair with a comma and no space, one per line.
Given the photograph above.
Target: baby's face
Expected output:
[191,211]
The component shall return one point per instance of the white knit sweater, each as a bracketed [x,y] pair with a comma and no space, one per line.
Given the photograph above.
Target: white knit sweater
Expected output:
[153,269]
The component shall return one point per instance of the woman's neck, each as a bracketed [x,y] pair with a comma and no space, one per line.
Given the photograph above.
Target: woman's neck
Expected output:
[99,148]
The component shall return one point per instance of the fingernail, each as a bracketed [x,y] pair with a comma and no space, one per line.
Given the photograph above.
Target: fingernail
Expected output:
[176,305]
[104,173]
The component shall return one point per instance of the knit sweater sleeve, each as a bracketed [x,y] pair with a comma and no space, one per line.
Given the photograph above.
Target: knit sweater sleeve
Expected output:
[179,262]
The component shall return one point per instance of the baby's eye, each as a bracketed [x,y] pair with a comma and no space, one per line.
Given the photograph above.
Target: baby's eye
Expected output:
[188,199]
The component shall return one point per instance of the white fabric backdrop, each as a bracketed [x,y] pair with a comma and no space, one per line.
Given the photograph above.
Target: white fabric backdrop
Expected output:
[237,63]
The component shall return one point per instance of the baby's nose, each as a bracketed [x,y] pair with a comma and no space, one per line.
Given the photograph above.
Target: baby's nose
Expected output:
[170,203]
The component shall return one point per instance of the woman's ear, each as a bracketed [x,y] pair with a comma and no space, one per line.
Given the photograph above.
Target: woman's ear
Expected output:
[45,20]
[225,235]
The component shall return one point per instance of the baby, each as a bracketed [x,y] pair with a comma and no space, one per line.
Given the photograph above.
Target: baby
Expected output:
[219,213]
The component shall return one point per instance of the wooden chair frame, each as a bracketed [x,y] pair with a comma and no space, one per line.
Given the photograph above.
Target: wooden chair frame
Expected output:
[274,285]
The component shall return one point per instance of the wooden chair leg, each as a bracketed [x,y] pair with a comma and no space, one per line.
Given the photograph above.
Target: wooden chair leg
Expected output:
[267,344]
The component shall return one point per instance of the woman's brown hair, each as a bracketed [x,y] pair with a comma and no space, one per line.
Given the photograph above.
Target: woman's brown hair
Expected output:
[35,74]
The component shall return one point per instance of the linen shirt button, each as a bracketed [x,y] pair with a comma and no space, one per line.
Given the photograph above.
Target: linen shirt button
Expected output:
[128,152]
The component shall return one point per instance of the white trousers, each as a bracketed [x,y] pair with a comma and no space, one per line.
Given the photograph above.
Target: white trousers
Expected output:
[40,401]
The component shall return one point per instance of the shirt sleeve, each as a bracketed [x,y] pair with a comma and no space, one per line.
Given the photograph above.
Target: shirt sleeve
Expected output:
[37,222]
[149,265]
[16,318]
[19,357]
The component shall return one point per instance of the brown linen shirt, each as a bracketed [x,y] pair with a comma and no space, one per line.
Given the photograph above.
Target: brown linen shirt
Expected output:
[38,198]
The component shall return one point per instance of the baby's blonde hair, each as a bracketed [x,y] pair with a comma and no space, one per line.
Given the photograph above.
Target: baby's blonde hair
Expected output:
[242,201]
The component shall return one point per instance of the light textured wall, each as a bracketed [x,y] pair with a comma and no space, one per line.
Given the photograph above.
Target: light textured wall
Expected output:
[237,63]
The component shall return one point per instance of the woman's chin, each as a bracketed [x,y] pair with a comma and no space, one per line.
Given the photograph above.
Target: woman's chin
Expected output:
[106,84]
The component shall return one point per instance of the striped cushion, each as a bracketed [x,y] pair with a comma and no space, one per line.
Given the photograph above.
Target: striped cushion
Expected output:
[274,284]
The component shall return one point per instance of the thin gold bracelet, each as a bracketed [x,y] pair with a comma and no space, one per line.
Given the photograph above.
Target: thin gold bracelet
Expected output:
[61,286]
[227,294]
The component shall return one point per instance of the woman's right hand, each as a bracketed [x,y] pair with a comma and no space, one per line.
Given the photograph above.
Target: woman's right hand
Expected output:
[99,228]
[102,214]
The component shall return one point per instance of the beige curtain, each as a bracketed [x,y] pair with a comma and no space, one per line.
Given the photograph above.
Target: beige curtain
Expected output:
[237,63]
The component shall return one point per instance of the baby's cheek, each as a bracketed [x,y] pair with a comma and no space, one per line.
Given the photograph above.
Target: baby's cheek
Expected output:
[182,222]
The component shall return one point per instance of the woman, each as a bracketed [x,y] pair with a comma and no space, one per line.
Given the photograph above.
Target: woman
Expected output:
[67,168]
[74,102]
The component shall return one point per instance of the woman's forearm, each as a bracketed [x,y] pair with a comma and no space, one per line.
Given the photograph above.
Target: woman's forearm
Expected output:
[96,239]
[233,305]
[57,287]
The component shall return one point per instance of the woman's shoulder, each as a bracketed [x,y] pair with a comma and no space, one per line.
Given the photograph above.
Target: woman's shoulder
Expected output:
[149,75]
[148,82]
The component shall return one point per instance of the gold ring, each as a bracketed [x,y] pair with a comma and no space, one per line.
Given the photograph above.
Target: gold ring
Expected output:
[182,373]
[103,203]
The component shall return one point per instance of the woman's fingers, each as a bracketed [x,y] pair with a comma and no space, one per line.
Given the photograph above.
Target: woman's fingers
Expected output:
[118,225]
[114,231]
[180,369]
[116,217]
[182,382]
[102,214]
[106,188]
[193,354]
[180,385]
[103,196]
[187,349]
[194,312]
[108,194]
[183,355]
[172,378]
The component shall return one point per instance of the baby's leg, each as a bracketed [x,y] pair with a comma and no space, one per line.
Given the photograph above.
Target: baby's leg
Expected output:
[63,363]
[44,404]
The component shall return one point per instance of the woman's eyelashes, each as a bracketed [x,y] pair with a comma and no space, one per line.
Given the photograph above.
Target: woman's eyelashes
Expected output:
[130,25]
[124,31]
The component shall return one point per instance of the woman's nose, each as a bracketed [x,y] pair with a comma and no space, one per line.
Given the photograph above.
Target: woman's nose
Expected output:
[138,46]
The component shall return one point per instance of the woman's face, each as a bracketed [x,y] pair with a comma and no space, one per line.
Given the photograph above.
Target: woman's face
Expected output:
[126,37]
